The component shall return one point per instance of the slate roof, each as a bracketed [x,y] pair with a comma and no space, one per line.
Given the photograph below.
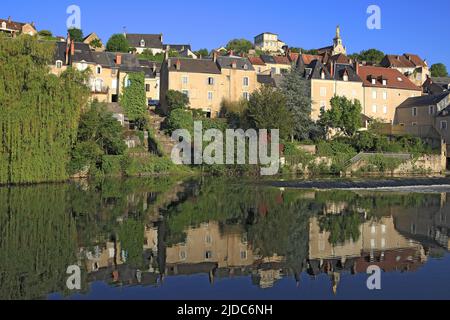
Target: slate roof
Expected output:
[152,41]
[395,79]
[225,62]
[82,52]
[424,100]
[194,65]
[342,69]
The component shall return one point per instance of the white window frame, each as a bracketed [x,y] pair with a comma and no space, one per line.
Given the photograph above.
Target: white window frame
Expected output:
[142,43]
[210,96]
[385,109]
[185,80]
[246,81]
[385,95]
[246,95]
[414,112]
[211,81]
[323,91]
[374,94]
[374,108]
[59,64]
[442,125]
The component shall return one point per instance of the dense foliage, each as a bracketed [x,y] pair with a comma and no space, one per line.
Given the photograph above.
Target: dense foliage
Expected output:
[76,34]
[177,100]
[373,56]
[133,99]
[344,115]
[39,112]
[239,46]
[117,43]
[439,70]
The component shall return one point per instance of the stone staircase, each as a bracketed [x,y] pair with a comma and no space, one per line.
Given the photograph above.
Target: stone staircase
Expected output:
[166,144]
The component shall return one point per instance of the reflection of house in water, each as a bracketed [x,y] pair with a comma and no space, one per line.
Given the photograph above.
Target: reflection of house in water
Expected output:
[379,244]
[221,253]
[430,225]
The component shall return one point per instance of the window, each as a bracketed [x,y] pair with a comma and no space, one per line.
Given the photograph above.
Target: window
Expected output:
[211,81]
[210,95]
[414,124]
[59,64]
[142,43]
[244,255]
[374,81]
[323,92]
[385,109]
[383,243]
[383,229]
[98,70]
[374,94]
[3,25]
[183,255]
[374,108]
[372,243]
[345,77]
[443,125]
[98,85]
[208,255]
[385,95]
[431,110]
[322,75]
[185,80]
[384,82]
[373,230]
[246,81]
[246,96]
[147,87]
[186,92]
[208,239]
[414,112]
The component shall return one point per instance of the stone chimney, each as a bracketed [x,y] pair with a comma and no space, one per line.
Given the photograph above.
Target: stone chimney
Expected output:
[72,48]
[178,65]
[161,37]
[356,67]
[332,69]
[215,56]
[166,53]
[67,51]
[118,59]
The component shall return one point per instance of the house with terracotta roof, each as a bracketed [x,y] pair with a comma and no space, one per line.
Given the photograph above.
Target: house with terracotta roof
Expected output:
[277,64]
[384,90]
[14,28]
[208,81]
[411,65]
[91,38]
[259,65]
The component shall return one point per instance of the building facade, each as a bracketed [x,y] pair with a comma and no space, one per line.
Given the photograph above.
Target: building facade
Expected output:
[269,42]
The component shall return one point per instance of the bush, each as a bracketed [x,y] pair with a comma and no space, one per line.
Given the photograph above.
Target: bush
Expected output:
[85,155]
[112,165]
[179,119]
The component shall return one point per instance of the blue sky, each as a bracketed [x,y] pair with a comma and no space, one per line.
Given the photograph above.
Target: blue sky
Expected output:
[407,26]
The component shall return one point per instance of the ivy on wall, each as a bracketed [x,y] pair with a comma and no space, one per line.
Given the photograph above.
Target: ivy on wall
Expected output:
[133,99]
[39,112]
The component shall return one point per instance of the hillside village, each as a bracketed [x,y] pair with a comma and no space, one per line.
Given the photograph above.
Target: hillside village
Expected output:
[398,93]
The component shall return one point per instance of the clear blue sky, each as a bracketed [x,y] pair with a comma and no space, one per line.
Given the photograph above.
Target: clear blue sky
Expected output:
[407,26]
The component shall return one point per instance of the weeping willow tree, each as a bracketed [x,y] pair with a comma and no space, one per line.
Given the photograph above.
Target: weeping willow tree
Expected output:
[37,241]
[39,112]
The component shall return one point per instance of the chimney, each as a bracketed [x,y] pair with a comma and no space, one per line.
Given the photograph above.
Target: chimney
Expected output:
[166,54]
[215,56]
[9,19]
[178,65]
[169,63]
[234,64]
[118,59]
[357,67]
[161,37]
[332,69]
[67,51]
[72,48]
[154,67]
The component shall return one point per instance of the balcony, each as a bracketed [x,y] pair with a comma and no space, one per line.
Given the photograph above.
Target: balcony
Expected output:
[100,89]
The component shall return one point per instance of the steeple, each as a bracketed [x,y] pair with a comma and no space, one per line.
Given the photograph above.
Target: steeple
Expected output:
[338,32]
[338,46]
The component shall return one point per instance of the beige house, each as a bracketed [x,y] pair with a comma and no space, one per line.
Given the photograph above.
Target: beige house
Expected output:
[269,42]
[93,37]
[276,65]
[384,90]
[411,65]
[14,28]
[207,82]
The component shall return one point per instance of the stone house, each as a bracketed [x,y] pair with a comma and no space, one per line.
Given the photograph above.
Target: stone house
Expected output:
[411,65]
[14,28]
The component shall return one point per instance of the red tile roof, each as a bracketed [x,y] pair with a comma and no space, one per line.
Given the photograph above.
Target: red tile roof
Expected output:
[395,79]
[407,60]
[308,58]
[281,60]
[12,25]
[293,57]
[256,61]
[340,58]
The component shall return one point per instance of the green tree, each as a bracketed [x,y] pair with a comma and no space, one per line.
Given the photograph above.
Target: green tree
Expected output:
[239,46]
[372,55]
[45,33]
[202,52]
[96,43]
[134,99]
[310,51]
[267,110]
[118,43]
[298,101]
[76,34]
[177,100]
[179,119]
[344,115]
[39,112]
[439,70]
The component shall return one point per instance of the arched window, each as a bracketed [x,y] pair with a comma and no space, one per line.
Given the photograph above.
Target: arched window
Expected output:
[98,69]
[143,43]
[59,64]
[3,25]
[98,85]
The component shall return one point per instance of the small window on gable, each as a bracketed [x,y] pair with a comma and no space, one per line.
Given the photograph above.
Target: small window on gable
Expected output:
[211,81]
[374,81]
[3,25]
[345,78]
[98,69]
[142,43]
[384,82]
[443,125]
[431,110]
[245,67]
[59,64]
[322,75]
[400,79]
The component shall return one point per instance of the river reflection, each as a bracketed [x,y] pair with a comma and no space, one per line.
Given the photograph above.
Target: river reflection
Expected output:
[151,233]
